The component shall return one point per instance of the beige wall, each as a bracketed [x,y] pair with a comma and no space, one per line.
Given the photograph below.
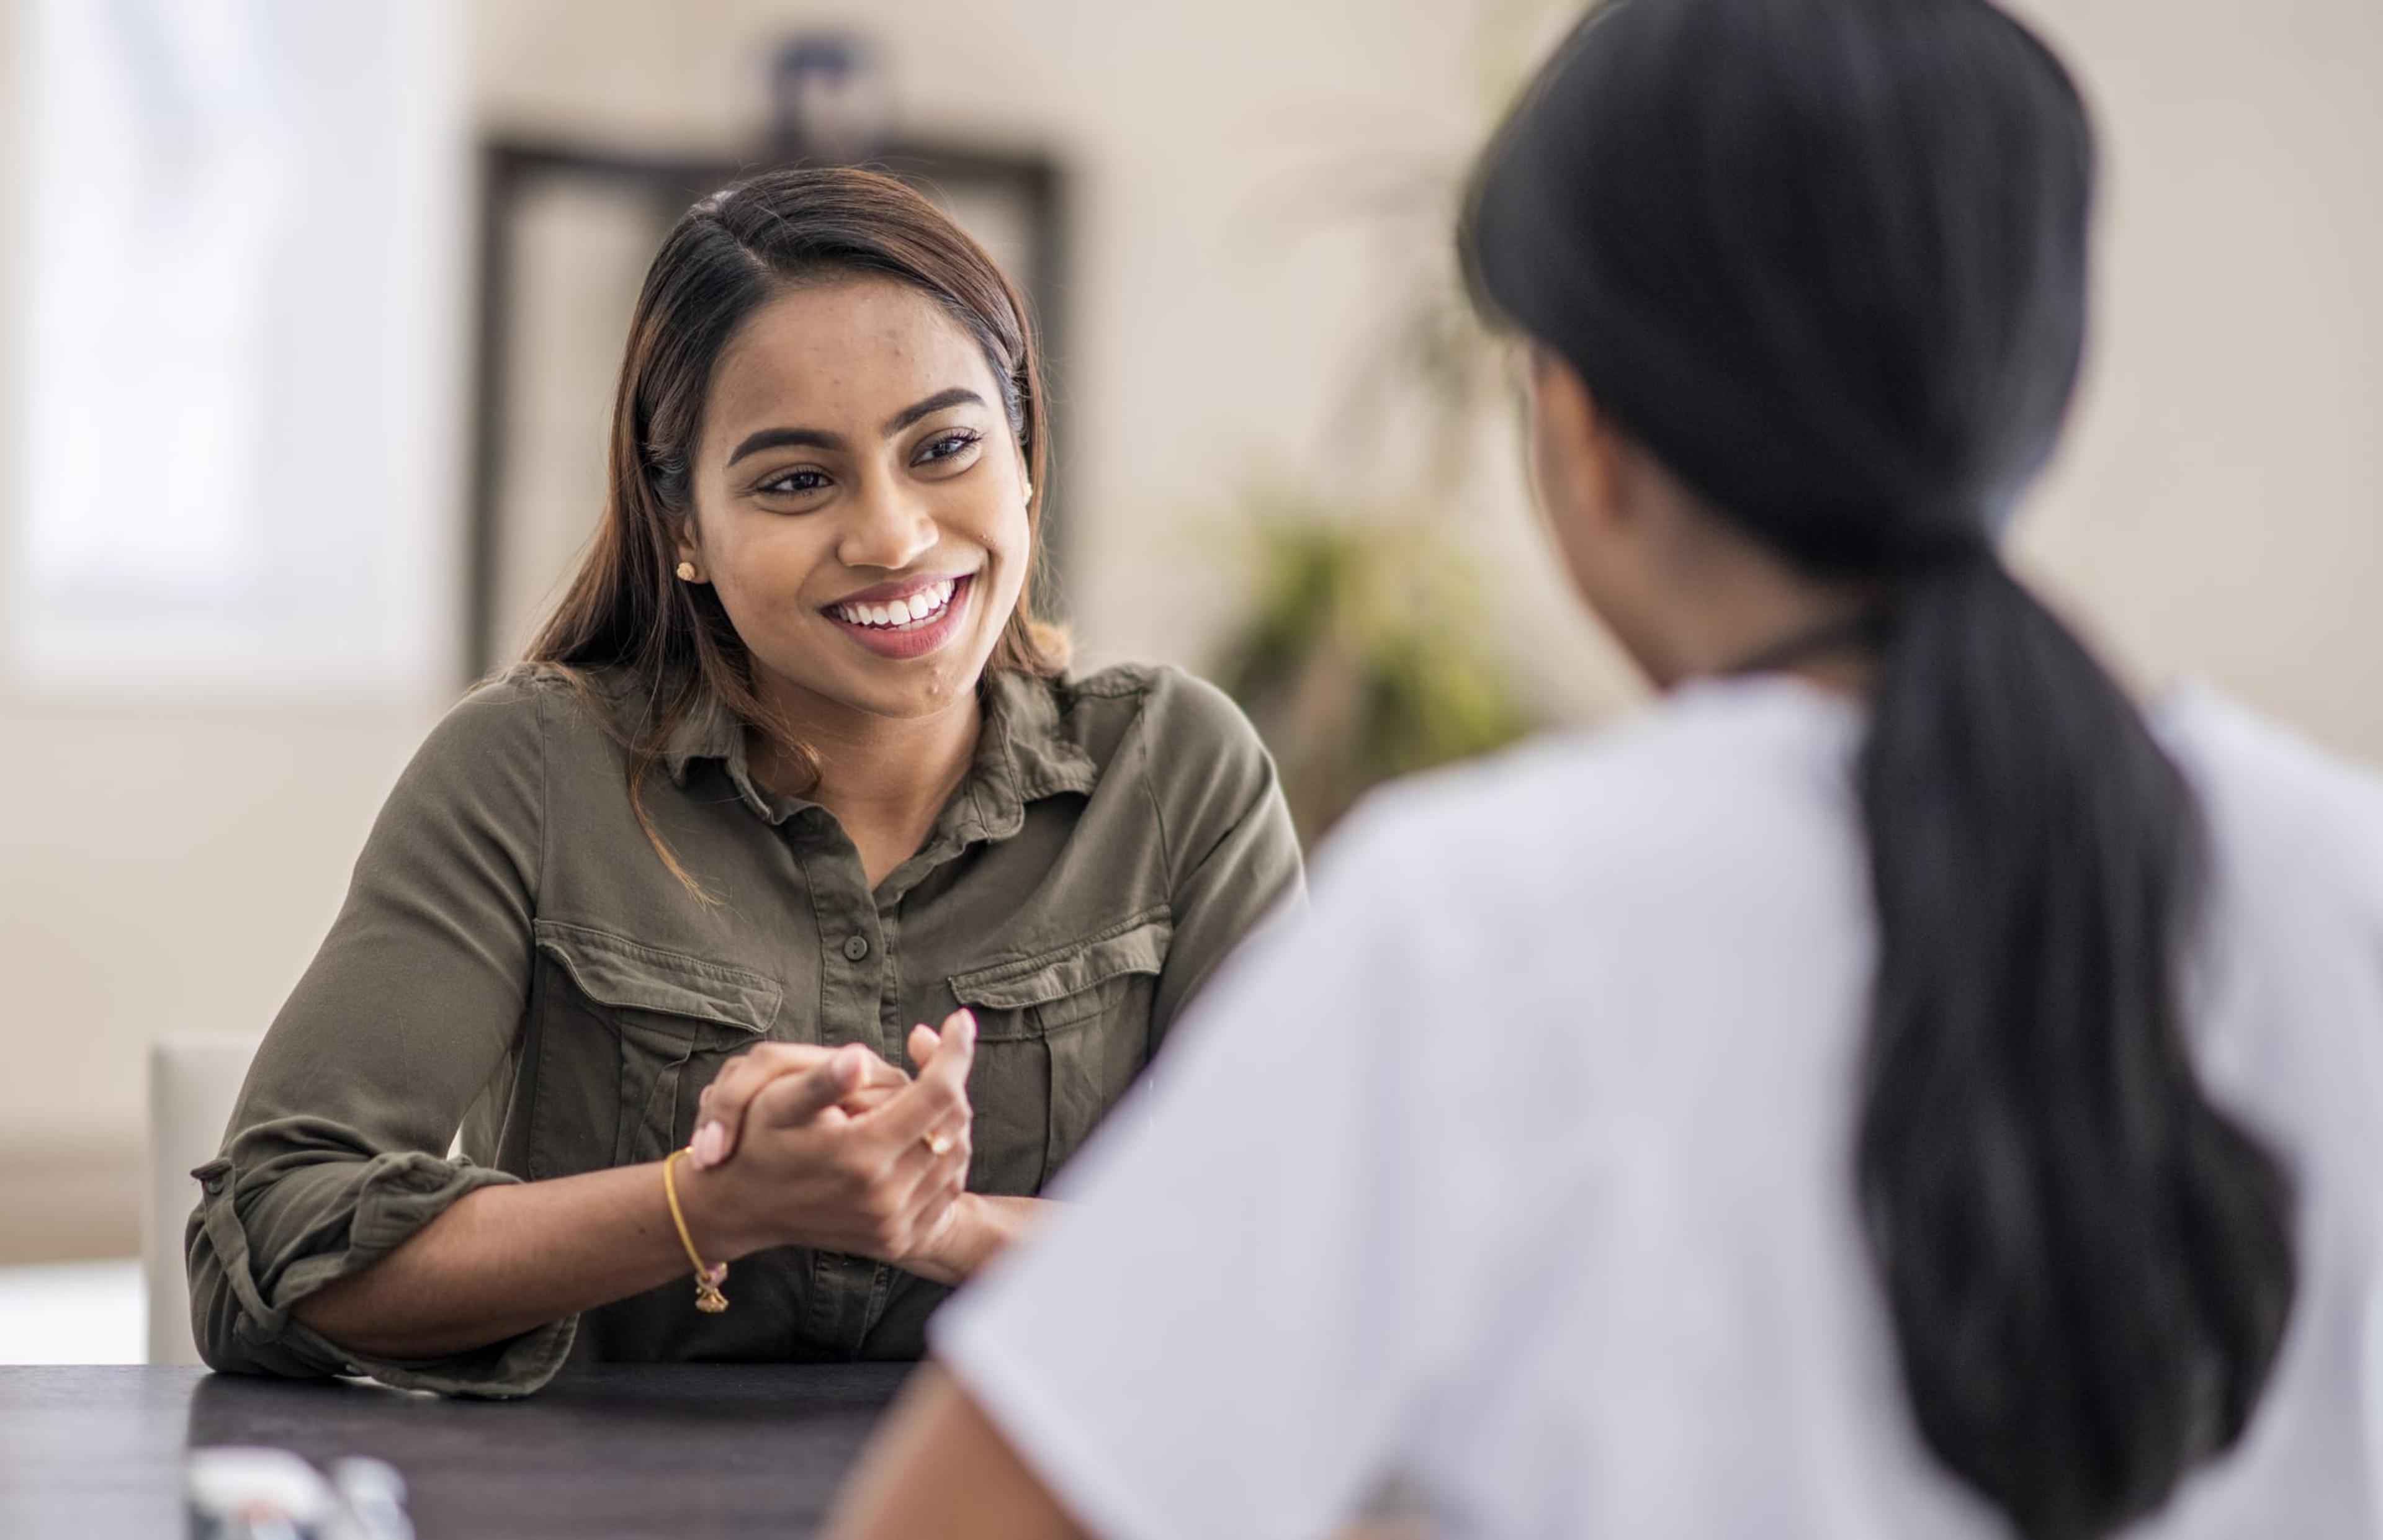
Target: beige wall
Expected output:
[168,869]
[2220,507]
[173,866]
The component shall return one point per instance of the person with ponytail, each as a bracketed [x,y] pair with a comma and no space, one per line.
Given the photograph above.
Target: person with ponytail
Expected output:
[1893,1087]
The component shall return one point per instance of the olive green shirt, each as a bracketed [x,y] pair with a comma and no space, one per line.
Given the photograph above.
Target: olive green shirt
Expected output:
[514,961]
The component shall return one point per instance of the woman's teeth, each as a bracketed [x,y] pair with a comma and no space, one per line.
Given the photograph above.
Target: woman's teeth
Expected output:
[899,614]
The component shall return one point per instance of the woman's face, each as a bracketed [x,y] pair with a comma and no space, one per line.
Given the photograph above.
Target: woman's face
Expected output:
[859,500]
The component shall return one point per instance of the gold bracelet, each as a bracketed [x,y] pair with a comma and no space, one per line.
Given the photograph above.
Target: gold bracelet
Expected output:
[708,1297]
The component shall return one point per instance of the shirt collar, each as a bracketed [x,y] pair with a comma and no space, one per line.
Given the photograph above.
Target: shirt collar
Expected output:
[1024,752]
[708,731]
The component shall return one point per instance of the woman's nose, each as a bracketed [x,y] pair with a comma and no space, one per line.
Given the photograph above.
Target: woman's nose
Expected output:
[887,529]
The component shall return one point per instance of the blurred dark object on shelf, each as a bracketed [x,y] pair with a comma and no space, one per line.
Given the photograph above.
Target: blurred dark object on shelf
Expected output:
[829,96]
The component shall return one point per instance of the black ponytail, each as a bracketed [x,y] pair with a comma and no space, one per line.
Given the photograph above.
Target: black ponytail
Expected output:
[2089,1266]
[1826,260]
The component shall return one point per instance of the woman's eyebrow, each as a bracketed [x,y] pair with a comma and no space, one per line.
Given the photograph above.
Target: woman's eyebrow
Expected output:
[785,438]
[818,438]
[959,395]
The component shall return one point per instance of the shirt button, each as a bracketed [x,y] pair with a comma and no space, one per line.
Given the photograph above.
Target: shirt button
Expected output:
[856,947]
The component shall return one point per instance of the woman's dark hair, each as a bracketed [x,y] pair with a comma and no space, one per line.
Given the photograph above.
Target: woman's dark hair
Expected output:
[728,256]
[1826,260]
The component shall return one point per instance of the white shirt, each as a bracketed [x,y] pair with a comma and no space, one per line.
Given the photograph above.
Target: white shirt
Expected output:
[1522,1168]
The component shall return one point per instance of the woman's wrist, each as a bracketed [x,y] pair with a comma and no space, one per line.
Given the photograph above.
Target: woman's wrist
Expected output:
[716,1219]
[960,1245]
[981,1228]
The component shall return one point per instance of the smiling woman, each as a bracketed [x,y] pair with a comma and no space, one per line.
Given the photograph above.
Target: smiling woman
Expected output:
[793,765]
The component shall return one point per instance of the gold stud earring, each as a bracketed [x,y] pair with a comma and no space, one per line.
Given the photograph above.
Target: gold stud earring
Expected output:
[1029,491]
[687,571]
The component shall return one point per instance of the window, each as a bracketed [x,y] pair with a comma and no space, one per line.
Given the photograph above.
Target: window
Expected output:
[237,438]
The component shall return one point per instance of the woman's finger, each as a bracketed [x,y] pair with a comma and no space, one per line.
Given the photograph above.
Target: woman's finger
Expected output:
[872,1094]
[931,1181]
[720,1123]
[939,1094]
[792,1100]
[722,1102]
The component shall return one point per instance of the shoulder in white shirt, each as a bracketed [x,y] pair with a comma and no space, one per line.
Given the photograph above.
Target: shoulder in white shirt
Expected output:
[1522,1168]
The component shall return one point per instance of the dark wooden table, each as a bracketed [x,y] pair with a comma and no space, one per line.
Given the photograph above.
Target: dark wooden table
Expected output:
[681,1450]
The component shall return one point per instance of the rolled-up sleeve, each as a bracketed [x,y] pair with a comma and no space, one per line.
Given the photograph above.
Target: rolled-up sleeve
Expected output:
[338,1148]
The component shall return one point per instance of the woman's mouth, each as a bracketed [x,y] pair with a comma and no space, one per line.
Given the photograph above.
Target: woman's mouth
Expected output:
[909,624]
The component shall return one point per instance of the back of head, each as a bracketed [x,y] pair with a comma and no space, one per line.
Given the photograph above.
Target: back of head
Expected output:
[1826,260]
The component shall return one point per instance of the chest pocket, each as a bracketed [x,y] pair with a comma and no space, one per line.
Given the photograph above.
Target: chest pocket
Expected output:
[673,1017]
[1060,1036]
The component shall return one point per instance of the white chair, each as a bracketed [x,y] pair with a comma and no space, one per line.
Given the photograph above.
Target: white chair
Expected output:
[193,1079]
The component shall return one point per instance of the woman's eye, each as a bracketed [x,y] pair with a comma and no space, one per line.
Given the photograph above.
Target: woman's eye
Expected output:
[946,447]
[795,483]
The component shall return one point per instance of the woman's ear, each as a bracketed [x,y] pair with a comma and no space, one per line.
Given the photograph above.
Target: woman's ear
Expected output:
[1578,461]
[686,549]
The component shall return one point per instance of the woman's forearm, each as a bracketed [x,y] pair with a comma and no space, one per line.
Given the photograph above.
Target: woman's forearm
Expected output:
[504,1259]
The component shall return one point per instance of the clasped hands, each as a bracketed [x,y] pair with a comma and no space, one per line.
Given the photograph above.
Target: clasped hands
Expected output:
[836,1149]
